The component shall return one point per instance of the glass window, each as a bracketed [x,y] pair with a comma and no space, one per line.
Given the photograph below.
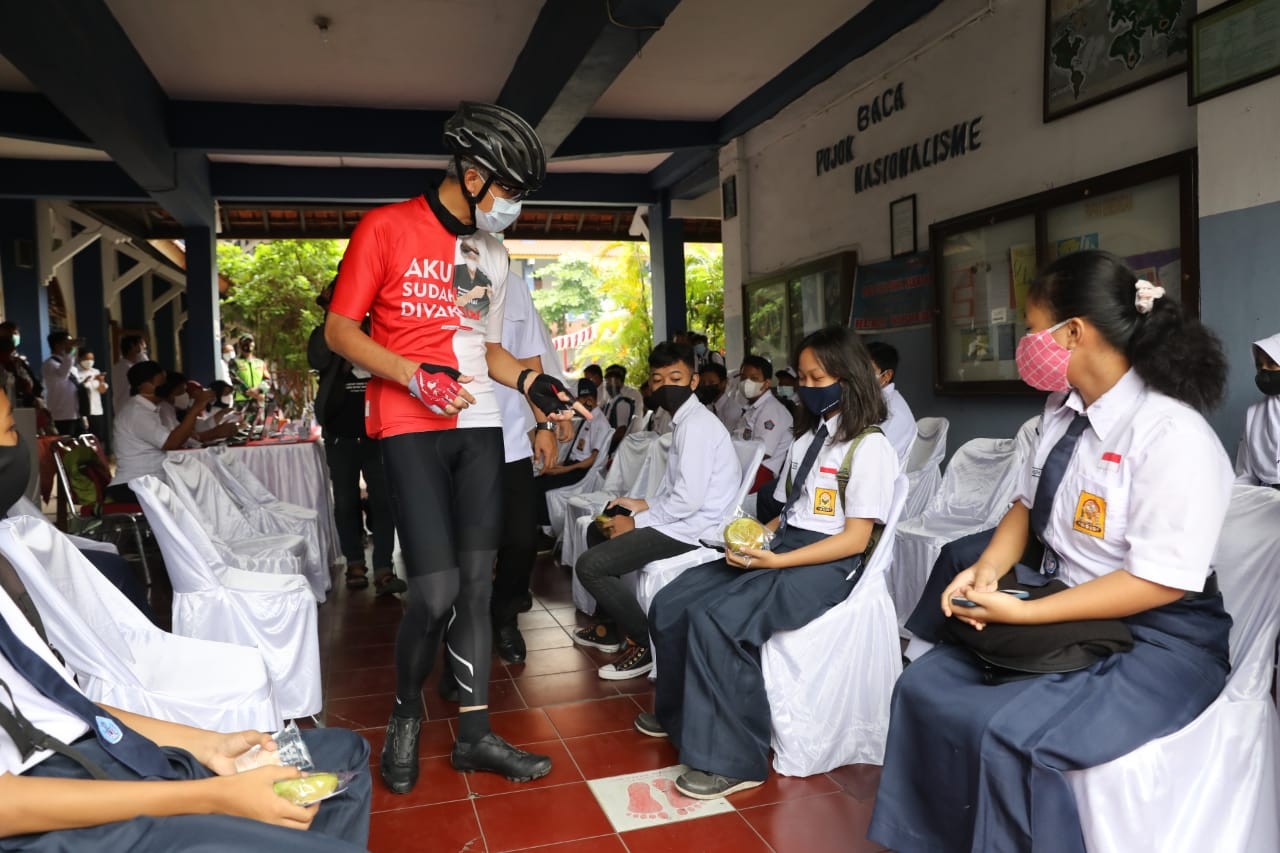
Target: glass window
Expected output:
[766,321]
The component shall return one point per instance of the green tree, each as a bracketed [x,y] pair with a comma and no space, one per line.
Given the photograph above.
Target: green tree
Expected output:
[626,332]
[572,290]
[704,291]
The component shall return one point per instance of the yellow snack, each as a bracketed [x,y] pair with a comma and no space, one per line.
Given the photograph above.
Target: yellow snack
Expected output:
[744,533]
[307,789]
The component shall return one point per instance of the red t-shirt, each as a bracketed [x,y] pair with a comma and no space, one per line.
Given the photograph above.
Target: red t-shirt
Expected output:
[431,296]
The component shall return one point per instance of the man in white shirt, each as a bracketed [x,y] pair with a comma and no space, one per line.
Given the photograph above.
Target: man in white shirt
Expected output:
[765,418]
[900,426]
[142,440]
[713,392]
[94,385]
[61,389]
[692,503]
[133,349]
[621,402]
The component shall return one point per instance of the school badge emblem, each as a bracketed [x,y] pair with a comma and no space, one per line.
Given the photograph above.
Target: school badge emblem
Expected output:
[824,502]
[1091,515]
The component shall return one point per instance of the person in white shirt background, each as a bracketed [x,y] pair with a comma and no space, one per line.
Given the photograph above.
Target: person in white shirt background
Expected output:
[702,352]
[1258,459]
[784,385]
[620,403]
[92,385]
[764,418]
[900,426]
[713,393]
[61,389]
[590,438]
[133,350]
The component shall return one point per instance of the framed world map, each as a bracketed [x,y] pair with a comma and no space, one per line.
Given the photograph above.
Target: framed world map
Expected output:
[1098,49]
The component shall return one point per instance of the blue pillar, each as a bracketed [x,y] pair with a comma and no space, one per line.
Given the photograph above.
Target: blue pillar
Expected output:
[666,259]
[164,350]
[201,341]
[25,301]
[132,310]
[91,308]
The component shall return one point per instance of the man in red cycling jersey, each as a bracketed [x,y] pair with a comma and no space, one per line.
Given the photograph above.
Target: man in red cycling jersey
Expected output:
[432,278]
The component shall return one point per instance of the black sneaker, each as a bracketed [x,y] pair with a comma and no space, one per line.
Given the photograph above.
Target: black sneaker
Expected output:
[636,661]
[508,643]
[399,762]
[647,724]
[712,786]
[492,754]
[600,636]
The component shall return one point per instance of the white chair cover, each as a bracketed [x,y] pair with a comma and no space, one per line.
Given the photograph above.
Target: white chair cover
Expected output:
[119,657]
[264,539]
[1215,784]
[24,508]
[214,601]
[924,464]
[557,498]
[829,683]
[974,495]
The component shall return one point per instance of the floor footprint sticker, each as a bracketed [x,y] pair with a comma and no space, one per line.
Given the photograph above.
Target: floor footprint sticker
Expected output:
[681,804]
[642,805]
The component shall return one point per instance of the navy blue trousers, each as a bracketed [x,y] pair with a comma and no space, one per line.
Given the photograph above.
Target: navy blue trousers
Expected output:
[971,766]
[341,825]
[707,628]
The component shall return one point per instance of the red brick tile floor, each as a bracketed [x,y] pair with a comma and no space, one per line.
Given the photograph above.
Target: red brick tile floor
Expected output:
[554,704]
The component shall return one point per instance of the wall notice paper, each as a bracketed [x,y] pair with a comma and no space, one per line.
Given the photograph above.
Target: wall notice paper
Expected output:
[650,798]
[893,295]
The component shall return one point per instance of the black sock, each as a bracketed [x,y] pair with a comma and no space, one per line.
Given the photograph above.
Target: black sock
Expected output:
[473,725]
[411,710]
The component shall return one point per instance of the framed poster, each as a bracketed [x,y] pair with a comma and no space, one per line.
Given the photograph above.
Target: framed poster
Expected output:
[729,197]
[1232,46]
[1097,49]
[902,227]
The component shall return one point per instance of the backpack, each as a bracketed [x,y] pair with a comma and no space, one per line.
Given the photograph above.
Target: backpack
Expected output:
[331,368]
[842,483]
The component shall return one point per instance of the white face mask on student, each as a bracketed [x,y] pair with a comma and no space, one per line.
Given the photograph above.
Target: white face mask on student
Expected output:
[87,364]
[751,388]
[182,401]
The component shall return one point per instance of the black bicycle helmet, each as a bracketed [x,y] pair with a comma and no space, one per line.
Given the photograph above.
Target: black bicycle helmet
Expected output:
[500,141]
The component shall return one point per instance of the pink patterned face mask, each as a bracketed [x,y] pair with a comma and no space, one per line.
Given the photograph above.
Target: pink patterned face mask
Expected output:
[1042,361]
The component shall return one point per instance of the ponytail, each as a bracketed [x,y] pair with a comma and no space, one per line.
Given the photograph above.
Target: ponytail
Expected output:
[1172,353]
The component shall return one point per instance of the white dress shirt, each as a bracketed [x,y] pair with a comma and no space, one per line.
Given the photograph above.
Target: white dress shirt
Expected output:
[900,426]
[696,495]
[1146,490]
[1258,458]
[728,408]
[592,436]
[120,383]
[869,494]
[139,439]
[60,388]
[521,336]
[88,378]
[767,420]
[44,713]
[620,409]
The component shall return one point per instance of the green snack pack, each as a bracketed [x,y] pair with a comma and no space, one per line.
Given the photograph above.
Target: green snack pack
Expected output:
[307,789]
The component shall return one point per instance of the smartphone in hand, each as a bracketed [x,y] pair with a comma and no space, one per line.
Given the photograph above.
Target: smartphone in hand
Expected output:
[958,601]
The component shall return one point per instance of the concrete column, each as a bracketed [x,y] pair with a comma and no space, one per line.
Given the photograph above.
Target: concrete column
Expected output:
[736,240]
[203,313]
[25,301]
[666,259]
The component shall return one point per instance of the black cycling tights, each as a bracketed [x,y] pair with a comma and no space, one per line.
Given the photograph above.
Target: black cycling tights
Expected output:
[446,487]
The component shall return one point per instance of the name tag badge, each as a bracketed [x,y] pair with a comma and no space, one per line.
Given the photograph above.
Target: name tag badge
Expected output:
[108,730]
[1091,515]
[824,502]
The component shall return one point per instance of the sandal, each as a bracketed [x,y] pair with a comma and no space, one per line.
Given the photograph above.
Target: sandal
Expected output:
[357,578]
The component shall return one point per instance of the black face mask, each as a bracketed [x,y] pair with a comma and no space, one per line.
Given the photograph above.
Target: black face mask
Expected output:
[708,394]
[15,472]
[672,397]
[1268,382]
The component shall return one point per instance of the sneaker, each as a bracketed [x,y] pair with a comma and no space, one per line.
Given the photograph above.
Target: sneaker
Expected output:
[399,762]
[712,786]
[494,755]
[635,662]
[600,636]
[647,724]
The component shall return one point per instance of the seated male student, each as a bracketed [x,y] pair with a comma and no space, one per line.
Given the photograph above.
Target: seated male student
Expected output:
[77,776]
[589,439]
[713,392]
[765,417]
[900,426]
[141,437]
[693,502]
[622,402]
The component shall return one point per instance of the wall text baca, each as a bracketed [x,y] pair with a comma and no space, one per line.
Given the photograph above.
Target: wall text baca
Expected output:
[840,153]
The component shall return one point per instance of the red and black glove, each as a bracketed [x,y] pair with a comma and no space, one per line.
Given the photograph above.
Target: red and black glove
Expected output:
[544,392]
[435,386]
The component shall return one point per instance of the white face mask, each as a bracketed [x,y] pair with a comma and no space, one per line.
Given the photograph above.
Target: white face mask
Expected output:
[228,354]
[500,217]
[786,392]
[182,401]
[752,389]
[87,364]
[226,401]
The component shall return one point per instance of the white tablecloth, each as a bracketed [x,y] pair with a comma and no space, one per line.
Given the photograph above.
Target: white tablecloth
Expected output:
[296,474]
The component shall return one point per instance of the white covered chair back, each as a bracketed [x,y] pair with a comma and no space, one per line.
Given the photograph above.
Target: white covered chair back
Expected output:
[832,709]
[214,601]
[750,454]
[120,658]
[1214,784]
[924,464]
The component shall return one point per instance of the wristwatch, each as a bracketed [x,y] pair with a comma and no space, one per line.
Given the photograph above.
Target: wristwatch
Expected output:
[547,425]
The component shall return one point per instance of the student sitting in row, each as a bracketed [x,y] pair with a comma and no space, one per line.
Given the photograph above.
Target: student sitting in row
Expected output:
[693,502]
[764,418]
[1124,499]
[709,624]
[1258,460]
[900,425]
[588,440]
[713,392]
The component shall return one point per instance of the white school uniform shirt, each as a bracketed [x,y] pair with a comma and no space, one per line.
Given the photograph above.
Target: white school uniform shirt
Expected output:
[900,426]
[1258,458]
[621,409]
[44,713]
[60,388]
[1146,490]
[120,383]
[87,379]
[767,420]
[728,408]
[593,437]
[697,492]
[521,337]
[139,440]
[869,494]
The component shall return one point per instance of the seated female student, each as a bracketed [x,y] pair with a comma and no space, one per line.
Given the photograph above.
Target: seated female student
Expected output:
[1258,460]
[708,625]
[1127,490]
